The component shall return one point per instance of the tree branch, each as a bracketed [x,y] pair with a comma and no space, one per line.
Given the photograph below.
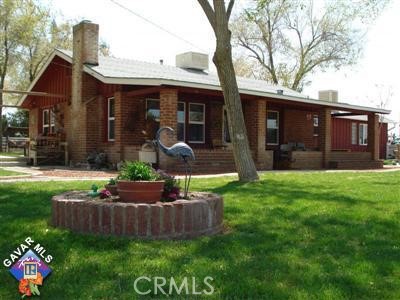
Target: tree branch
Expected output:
[208,10]
[229,9]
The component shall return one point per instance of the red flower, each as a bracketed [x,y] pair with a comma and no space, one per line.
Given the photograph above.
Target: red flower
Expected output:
[24,287]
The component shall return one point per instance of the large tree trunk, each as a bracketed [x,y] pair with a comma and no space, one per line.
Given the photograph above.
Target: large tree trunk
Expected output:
[223,61]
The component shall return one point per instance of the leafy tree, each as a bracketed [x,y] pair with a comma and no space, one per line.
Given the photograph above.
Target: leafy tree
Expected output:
[218,16]
[11,30]
[20,118]
[291,39]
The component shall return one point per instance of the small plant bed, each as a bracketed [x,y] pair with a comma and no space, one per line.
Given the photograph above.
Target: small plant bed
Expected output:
[180,219]
[141,202]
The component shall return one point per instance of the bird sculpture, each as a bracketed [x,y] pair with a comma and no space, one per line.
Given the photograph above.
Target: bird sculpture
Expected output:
[180,151]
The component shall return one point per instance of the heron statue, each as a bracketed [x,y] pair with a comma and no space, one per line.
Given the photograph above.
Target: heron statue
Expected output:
[180,151]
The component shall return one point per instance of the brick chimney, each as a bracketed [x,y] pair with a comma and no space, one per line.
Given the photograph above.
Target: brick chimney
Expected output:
[83,87]
[85,51]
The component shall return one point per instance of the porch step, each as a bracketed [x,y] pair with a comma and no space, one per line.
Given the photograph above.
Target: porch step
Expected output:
[356,164]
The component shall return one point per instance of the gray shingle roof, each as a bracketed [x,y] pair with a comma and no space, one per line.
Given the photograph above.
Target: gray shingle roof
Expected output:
[113,70]
[113,67]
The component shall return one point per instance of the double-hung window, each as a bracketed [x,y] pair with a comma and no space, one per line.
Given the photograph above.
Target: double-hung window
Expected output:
[181,121]
[272,127]
[363,134]
[46,122]
[196,123]
[354,133]
[153,109]
[111,119]
[316,125]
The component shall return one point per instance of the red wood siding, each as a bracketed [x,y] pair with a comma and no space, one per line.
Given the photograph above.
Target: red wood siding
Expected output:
[341,136]
[55,80]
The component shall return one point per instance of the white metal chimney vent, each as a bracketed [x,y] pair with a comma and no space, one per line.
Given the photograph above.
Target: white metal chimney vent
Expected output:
[192,60]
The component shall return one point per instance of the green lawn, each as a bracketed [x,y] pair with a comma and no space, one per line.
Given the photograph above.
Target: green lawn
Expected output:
[13,154]
[290,236]
[9,173]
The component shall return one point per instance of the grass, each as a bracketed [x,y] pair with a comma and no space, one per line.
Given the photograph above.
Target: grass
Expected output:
[289,236]
[9,173]
[12,153]
[390,162]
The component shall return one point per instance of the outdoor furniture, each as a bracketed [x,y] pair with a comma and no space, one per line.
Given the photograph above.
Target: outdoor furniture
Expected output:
[300,147]
[48,150]
[16,143]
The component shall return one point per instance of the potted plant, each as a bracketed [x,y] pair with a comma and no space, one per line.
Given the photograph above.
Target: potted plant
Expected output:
[139,183]
[171,190]
[112,186]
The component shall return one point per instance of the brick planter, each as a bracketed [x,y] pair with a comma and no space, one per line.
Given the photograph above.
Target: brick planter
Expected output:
[181,219]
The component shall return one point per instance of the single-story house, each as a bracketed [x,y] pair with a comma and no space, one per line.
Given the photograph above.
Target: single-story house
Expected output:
[115,105]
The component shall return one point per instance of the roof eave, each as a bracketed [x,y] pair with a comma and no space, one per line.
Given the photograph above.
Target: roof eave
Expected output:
[160,81]
[155,81]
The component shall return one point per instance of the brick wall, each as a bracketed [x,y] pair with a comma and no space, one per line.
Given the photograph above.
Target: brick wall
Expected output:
[216,119]
[325,138]
[299,127]
[373,136]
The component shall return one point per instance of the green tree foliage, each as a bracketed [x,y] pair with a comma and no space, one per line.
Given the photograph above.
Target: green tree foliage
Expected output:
[19,118]
[291,39]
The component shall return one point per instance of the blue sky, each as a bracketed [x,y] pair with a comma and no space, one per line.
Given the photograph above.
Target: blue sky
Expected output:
[131,37]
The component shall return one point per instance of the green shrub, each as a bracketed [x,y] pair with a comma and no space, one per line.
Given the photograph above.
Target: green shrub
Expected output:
[137,171]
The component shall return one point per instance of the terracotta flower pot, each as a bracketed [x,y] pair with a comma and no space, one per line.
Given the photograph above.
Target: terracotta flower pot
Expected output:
[140,191]
[112,188]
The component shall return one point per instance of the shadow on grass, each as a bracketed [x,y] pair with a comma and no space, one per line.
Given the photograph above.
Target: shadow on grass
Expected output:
[288,240]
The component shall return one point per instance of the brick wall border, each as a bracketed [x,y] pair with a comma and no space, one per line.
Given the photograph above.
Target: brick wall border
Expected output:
[181,219]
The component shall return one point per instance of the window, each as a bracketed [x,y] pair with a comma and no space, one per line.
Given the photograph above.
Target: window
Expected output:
[181,121]
[354,133]
[272,128]
[316,125]
[196,123]
[111,119]
[225,129]
[363,134]
[46,122]
[52,121]
[153,109]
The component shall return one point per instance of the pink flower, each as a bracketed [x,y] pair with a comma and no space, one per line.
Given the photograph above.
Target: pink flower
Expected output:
[105,194]
[172,196]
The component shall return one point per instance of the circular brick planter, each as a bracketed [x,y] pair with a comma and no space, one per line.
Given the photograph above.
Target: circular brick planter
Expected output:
[181,219]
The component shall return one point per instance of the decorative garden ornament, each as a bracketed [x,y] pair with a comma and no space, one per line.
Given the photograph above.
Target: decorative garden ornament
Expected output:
[180,151]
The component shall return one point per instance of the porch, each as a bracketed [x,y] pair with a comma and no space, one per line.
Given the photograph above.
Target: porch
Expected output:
[282,134]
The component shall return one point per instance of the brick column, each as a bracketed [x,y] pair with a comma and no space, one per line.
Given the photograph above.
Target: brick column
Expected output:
[168,117]
[325,135]
[33,123]
[255,118]
[373,136]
